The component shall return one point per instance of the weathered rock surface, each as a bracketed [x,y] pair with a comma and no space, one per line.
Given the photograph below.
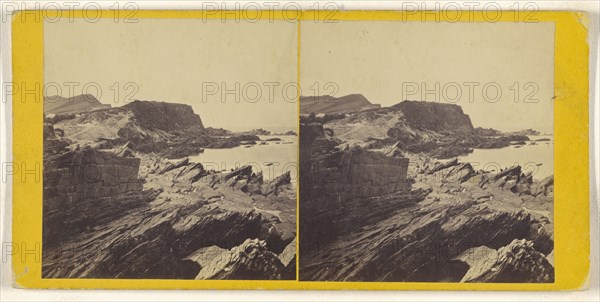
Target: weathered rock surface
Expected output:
[249,261]
[438,117]
[156,228]
[436,129]
[168,117]
[282,180]
[417,234]
[171,130]
[52,143]
[179,164]
[86,187]
[115,208]
[518,262]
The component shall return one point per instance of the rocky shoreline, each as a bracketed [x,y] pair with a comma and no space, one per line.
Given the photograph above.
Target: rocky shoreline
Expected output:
[146,127]
[444,222]
[115,206]
[439,130]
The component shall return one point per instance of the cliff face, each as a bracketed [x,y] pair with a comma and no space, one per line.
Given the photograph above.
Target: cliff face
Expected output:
[163,116]
[359,174]
[102,221]
[437,129]
[85,187]
[437,117]
[424,234]
[173,130]
[337,186]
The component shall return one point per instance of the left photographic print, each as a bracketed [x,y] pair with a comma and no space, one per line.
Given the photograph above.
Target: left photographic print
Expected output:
[170,149]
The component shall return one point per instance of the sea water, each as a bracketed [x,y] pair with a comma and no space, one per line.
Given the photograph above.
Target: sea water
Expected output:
[537,158]
[272,159]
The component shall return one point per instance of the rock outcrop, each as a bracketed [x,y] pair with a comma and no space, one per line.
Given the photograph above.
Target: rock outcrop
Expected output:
[418,234]
[52,143]
[171,130]
[438,117]
[518,262]
[160,227]
[86,187]
[347,174]
[436,129]
[249,261]
[279,181]
[173,166]
[114,207]
[168,117]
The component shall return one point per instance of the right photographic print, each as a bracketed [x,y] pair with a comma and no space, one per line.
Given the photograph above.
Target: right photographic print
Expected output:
[426,152]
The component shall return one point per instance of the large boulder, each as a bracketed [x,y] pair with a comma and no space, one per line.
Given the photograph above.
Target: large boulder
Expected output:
[249,261]
[518,262]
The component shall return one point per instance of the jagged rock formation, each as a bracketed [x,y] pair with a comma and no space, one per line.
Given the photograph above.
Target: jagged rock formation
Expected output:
[172,130]
[86,187]
[518,262]
[155,236]
[282,180]
[173,166]
[249,261]
[52,143]
[329,104]
[437,129]
[419,234]
[124,150]
[78,104]
[115,208]
[101,220]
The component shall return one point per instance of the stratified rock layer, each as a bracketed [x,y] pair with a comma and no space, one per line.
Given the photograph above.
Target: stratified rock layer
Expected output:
[152,229]
[417,234]
[114,207]
[86,187]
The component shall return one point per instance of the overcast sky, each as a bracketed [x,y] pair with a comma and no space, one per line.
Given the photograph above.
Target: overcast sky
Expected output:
[388,61]
[197,62]
[183,61]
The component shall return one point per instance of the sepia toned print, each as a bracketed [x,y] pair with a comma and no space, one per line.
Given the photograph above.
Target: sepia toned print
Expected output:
[426,151]
[407,64]
[429,156]
[163,156]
